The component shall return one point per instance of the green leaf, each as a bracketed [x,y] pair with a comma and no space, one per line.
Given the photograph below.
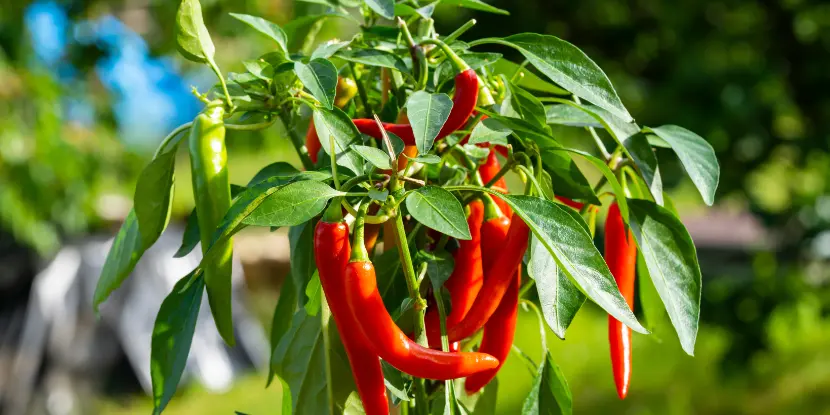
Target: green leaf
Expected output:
[476,5]
[440,265]
[649,305]
[567,115]
[353,406]
[395,382]
[300,359]
[490,131]
[560,299]
[191,236]
[259,68]
[427,159]
[192,37]
[385,8]
[528,80]
[438,209]
[272,30]
[697,156]
[374,57]
[569,67]
[478,154]
[634,143]
[671,259]
[519,103]
[427,114]
[124,253]
[327,49]
[376,156]
[313,295]
[550,393]
[572,247]
[320,77]
[281,322]
[291,205]
[566,177]
[154,196]
[172,336]
[335,123]
[303,267]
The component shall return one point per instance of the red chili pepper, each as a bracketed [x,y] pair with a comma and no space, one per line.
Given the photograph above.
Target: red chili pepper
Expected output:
[490,169]
[621,256]
[332,252]
[497,339]
[463,104]
[465,281]
[571,203]
[498,277]
[312,142]
[366,305]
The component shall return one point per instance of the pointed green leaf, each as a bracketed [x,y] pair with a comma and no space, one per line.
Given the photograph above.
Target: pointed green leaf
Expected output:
[192,37]
[671,259]
[550,393]
[572,247]
[438,209]
[385,8]
[427,114]
[172,336]
[697,156]
[291,205]
[567,115]
[374,57]
[522,104]
[320,77]
[335,123]
[559,297]
[569,67]
[300,359]
[154,197]
[476,5]
[272,30]
[376,156]
[490,131]
[281,322]
[124,253]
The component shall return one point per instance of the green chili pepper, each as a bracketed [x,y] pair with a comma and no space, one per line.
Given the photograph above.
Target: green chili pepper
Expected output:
[212,193]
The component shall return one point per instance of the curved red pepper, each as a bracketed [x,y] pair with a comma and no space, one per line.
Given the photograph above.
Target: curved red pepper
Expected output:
[388,341]
[621,256]
[312,142]
[332,252]
[465,281]
[463,104]
[497,339]
[498,277]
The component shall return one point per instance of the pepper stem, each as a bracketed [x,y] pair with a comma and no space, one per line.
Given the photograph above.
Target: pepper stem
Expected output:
[359,252]
[453,57]
[491,209]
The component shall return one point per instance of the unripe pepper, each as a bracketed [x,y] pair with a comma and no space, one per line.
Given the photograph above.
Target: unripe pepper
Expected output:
[331,253]
[621,257]
[465,281]
[212,194]
[498,277]
[366,305]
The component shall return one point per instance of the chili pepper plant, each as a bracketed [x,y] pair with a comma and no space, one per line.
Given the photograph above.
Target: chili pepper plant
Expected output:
[406,136]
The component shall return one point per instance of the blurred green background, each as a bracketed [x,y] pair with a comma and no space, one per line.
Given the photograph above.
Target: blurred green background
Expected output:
[88,88]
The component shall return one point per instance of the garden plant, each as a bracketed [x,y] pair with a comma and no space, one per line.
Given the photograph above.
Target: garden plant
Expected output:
[441,152]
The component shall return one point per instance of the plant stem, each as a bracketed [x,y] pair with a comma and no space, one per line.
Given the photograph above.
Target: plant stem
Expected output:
[218,73]
[302,151]
[460,31]
[361,92]
[411,278]
[167,140]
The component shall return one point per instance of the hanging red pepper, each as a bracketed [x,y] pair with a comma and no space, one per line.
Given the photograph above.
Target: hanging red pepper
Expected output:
[366,305]
[621,257]
[465,281]
[490,169]
[500,329]
[497,339]
[498,277]
[332,252]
